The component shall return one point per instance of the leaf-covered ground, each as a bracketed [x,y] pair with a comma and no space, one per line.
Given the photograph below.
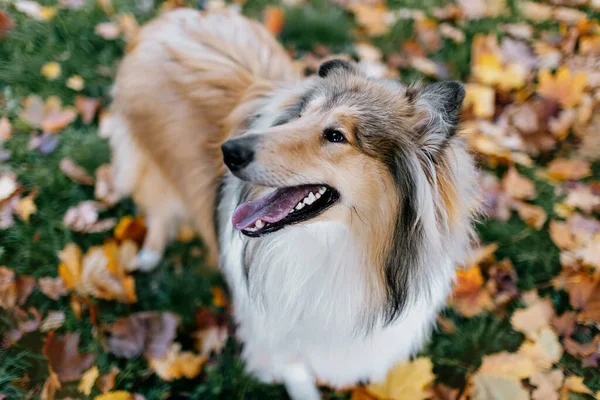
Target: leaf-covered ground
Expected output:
[523,322]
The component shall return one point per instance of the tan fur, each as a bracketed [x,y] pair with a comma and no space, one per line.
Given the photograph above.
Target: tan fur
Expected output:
[189,82]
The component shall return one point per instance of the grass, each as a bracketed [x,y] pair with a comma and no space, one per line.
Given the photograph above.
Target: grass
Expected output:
[181,283]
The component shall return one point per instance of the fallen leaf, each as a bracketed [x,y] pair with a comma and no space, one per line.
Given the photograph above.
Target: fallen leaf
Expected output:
[84,218]
[5,129]
[53,321]
[544,350]
[6,24]
[211,340]
[87,107]
[76,83]
[26,322]
[14,290]
[53,288]
[51,70]
[563,87]
[562,169]
[583,198]
[35,10]
[407,380]
[547,384]
[591,310]
[561,235]
[26,207]
[532,215]
[106,382]
[177,364]
[8,185]
[373,18]
[88,380]
[64,356]
[512,366]
[274,19]
[129,26]
[564,324]
[575,384]
[534,318]
[51,386]
[490,387]
[132,228]
[108,30]
[469,297]
[118,395]
[149,333]
[517,186]
[75,172]
[481,99]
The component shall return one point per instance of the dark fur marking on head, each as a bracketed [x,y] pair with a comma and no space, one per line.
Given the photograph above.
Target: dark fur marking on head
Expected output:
[292,112]
[334,65]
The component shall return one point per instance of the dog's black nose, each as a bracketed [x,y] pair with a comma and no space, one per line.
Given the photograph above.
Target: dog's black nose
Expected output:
[237,154]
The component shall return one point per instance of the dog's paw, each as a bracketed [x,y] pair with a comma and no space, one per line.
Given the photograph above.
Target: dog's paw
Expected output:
[146,260]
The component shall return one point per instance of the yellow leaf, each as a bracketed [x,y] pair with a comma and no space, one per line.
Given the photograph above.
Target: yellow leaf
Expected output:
[512,366]
[534,318]
[48,13]
[406,381]
[544,350]
[51,70]
[562,87]
[562,169]
[118,395]
[70,267]
[219,298]
[373,18]
[87,380]
[575,384]
[534,216]
[486,387]
[177,364]
[274,19]
[76,83]
[25,207]
[481,98]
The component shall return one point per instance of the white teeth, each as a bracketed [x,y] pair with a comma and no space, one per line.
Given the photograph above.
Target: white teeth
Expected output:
[259,224]
[310,199]
[322,190]
[318,196]
[300,206]
[251,229]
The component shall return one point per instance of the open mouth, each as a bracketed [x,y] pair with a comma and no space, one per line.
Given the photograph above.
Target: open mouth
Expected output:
[285,206]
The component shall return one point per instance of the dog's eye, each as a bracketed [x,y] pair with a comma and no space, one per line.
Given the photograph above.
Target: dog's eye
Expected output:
[334,136]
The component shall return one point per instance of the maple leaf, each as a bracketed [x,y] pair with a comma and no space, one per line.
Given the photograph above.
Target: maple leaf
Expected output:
[563,87]
[75,172]
[469,297]
[177,364]
[53,321]
[274,19]
[532,215]
[544,349]
[87,107]
[562,169]
[561,235]
[87,380]
[491,387]
[117,395]
[51,386]
[534,318]
[64,356]
[53,288]
[591,310]
[150,333]
[517,186]
[373,18]
[407,380]
[14,290]
[26,207]
[481,99]
[575,384]
[547,384]
[106,382]
[84,218]
[132,228]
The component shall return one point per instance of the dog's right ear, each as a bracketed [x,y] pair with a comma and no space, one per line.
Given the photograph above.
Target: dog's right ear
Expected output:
[335,65]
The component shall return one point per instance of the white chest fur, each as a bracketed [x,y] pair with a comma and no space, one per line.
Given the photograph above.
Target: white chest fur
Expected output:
[300,297]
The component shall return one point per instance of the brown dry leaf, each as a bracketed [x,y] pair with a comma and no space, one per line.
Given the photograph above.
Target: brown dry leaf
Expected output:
[534,318]
[177,364]
[53,288]
[591,311]
[105,189]
[562,169]
[6,24]
[132,228]
[5,129]
[49,115]
[544,350]
[211,340]
[469,296]
[561,235]
[84,218]
[373,18]
[51,386]
[532,215]
[407,380]
[87,380]
[64,356]
[100,272]
[517,186]
[547,384]
[565,324]
[575,384]
[14,290]
[445,324]
[87,107]
[274,19]
[53,321]
[106,382]
[563,87]
[75,172]
[150,333]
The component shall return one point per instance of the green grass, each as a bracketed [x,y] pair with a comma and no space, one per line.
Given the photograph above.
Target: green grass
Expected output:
[182,283]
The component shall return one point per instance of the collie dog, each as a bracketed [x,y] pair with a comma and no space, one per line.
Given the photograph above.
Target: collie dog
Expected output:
[337,206]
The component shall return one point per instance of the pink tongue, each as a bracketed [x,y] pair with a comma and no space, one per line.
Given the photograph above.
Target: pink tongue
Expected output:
[271,208]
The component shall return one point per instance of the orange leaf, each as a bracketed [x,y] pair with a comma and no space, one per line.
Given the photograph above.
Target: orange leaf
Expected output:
[563,87]
[562,169]
[274,19]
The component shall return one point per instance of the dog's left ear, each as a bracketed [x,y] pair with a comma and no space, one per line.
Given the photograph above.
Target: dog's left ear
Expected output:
[437,112]
[335,65]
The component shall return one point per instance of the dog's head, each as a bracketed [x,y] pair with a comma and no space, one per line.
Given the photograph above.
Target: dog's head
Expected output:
[372,154]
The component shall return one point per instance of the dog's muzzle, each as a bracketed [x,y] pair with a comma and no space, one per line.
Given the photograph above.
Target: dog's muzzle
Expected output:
[239,152]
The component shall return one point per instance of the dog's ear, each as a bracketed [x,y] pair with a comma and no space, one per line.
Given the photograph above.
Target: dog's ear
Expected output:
[335,65]
[437,112]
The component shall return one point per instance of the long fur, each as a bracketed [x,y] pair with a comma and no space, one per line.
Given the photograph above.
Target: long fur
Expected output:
[339,298]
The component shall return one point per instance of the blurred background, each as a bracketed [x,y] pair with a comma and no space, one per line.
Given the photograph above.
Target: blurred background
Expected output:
[523,321]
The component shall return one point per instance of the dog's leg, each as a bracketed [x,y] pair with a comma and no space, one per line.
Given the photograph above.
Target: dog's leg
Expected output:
[299,383]
[154,243]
